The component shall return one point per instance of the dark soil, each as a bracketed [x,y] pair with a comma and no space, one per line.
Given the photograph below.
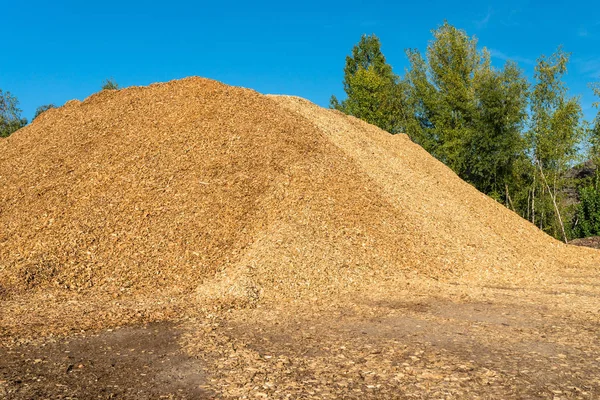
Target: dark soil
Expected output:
[128,363]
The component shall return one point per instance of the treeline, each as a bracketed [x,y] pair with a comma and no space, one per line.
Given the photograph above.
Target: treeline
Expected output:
[512,139]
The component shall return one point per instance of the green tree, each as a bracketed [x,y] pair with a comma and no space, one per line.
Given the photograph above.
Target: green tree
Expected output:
[586,219]
[587,216]
[372,89]
[10,114]
[42,109]
[556,131]
[496,148]
[110,84]
[468,114]
[594,134]
[443,88]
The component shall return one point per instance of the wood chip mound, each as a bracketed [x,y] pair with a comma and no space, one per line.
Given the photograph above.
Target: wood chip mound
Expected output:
[238,198]
[593,242]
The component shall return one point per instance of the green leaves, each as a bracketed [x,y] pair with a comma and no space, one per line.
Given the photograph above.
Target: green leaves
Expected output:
[372,89]
[466,113]
[594,133]
[110,84]
[511,141]
[10,114]
[41,109]
[556,119]
[496,142]
[587,217]
[554,136]
[442,89]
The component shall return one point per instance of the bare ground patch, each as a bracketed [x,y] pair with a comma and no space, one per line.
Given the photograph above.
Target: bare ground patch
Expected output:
[143,362]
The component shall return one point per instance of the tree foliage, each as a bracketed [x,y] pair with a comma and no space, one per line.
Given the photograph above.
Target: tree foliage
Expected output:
[466,113]
[10,114]
[594,133]
[372,89]
[511,140]
[586,221]
[497,160]
[556,131]
[556,118]
[110,84]
[41,109]
[587,217]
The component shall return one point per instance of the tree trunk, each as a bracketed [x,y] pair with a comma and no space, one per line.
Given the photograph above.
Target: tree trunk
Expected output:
[508,198]
[533,201]
[553,197]
[528,204]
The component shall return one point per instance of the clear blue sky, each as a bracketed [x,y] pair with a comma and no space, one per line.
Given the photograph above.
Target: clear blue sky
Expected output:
[54,51]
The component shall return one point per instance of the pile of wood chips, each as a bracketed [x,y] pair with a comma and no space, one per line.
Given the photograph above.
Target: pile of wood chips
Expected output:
[136,204]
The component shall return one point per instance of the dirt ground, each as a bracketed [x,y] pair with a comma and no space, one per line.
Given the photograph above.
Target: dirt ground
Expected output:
[133,362]
[428,340]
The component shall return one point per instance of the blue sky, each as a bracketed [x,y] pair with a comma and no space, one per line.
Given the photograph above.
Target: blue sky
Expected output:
[56,51]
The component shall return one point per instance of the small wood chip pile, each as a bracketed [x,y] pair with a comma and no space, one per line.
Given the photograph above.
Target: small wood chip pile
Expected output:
[238,197]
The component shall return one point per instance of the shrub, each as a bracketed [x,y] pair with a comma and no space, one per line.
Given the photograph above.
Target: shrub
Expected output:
[587,217]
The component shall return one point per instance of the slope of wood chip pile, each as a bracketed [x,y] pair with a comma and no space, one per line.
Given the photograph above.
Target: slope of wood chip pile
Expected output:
[231,197]
[195,240]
